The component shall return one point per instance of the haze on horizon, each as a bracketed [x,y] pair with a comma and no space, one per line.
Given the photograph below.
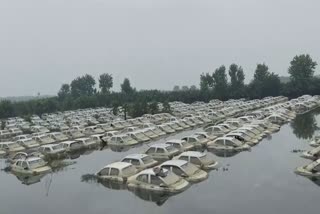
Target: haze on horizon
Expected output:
[156,44]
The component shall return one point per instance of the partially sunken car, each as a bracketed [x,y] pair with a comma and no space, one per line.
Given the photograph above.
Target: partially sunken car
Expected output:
[72,146]
[140,161]
[200,159]
[43,139]
[196,140]
[87,142]
[118,171]
[228,144]
[313,154]
[58,136]
[181,145]
[162,181]
[30,166]
[28,143]
[139,136]
[11,147]
[311,170]
[162,151]
[185,170]
[122,140]
[52,150]
[315,141]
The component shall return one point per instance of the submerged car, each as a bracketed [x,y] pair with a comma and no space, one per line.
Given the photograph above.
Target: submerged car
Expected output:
[140,161]
[162,181]
[311,170]
[162,151]
[43,139]
[87,142]
[200,159]
[196,140]
[52,150]
[31,166]
[185,170]
[11,147]
[122,140]
[313,154]
[181,145]
[139,136]
[118,171]
[58,136]
[315,141]
[72,146]
[28,143]
[166,128]
[228,143]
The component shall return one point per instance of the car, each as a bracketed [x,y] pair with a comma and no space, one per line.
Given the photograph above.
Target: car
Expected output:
[313,154]
[52,150]
[43,139]
[11,147]
[88,142]
[217,130]
[185,170]
[175,126]
[162,151]
[228,144]
[315,141]
[90,130]
[181,145]
[139,136]
[72,145]
[243,137]
[166,128]
[28,143]
[117,171]
[162,181]
[58,136]
[30,166]
[311,170]
[200,159]
[140,161]
[122,140]
[196,140]
[149,133]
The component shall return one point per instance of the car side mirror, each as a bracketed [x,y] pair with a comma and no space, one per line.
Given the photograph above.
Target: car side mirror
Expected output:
[183,175]
[163,185]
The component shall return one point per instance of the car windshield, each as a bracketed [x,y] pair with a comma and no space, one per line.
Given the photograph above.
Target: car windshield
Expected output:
[170,178]
[13,145]
[28,142]
[126,138]
[88,141]
[188,168]
[170,148]
[200,136]
[140,135]
[206,158]
[33,164]
[147,160]
[129,170]
[56,147]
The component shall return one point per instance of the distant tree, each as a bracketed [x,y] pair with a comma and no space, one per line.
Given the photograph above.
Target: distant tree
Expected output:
[301,72]
[105,83]
[126,87]
[64,91]
[6,109]
[166,107]
[220,83]
[176,88]
[153,108]
[184,88]
[206,82]
[193,87]
[83,86]
[237,81]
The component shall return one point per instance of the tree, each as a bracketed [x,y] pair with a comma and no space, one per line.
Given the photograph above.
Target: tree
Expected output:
[220,83]
[6,109]
[126,87]
[193,88]
[301,72]
[83,86]
[237,81]
[105,83]
[153,108]
[176,88]
[206,82]
[64,91]
[184,88]
[166,107]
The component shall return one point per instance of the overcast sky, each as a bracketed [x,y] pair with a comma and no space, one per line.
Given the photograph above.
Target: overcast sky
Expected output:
[155,43]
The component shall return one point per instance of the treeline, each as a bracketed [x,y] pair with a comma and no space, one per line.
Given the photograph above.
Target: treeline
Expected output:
[83,93]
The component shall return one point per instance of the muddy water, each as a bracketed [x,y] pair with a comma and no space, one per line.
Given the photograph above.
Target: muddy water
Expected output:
[260,181]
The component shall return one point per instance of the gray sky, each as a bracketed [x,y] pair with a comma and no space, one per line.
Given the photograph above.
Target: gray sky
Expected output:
[157,44]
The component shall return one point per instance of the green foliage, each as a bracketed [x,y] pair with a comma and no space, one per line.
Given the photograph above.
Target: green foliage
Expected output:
[126,87]
[206,82]
[176,88]
[105,82]
[237,88]
[166,107]
[83,86]
[220,83]
[64,91]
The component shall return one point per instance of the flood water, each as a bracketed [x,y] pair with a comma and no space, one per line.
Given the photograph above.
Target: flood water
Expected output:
[260,181]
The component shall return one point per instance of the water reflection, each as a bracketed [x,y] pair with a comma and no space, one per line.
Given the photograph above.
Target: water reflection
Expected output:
[29,179]
[305,125]
[93,179]
[223,153]
[123,148]
[157,198]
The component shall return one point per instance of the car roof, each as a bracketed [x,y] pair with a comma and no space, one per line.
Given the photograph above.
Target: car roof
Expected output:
[68,142]
[136,156]
[82,138]
[175,162]
[175,141]
[159,145]
[49,145]
[150,171]
[118,165]
[193,154]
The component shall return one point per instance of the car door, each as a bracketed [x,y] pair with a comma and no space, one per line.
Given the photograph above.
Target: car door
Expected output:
[155,183]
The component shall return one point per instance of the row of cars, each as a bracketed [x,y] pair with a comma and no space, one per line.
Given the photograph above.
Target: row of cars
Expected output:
[171,169]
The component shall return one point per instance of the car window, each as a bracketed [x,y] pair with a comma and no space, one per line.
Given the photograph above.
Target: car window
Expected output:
[186,158]
[114,172]
[151,150]
[160,150]
[155,180]
[104,171]
[135,162]
[195,160]
[229,143]
[127,160]
[24,165]
[143,178]
[177,170]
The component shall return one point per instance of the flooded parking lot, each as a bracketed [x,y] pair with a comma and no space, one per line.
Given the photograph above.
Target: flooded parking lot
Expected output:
[258,181]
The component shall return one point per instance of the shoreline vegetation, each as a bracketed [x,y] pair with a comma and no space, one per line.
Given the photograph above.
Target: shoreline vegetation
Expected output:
[82,92]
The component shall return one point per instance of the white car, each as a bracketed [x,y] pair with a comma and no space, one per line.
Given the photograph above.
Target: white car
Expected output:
[72,146]
[311,170]
[28,143]
[30,166]
[228,144]
[181,145]
[200,159]
[118,171]
[162,151]
[11,147]
[140,161]
[52,150]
